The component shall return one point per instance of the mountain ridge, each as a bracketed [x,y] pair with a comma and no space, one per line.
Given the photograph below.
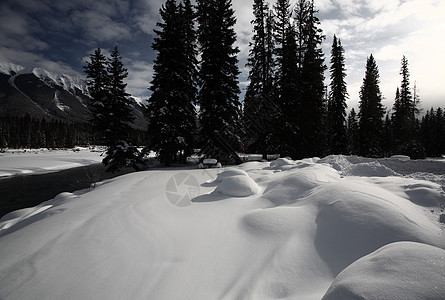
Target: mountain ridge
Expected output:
[44,94]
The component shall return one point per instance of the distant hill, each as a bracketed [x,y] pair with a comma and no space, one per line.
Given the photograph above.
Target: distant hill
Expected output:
[44,94]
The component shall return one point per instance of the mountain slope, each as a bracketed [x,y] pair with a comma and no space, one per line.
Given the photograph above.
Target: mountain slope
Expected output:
[44,94]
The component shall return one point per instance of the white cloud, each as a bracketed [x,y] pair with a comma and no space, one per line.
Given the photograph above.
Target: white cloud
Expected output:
[389,29]
[140,74]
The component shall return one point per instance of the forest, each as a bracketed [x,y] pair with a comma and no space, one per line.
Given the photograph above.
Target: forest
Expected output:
[287,109]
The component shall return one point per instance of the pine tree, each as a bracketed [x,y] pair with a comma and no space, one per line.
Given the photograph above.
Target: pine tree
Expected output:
[404,118]
[353,131]
[258,109]
[111,114]
[97,75]
[313,115]
[387,143]
[121,152]
[220,109]
[171,113]
[287,93]
[403,108]
[371,112]
[337,100]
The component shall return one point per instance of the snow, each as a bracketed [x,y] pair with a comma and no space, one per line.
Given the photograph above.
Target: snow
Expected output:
[402,270]
[238,186]
[39,161]
[69,82]
[9,68]
[285,229]
[59,104]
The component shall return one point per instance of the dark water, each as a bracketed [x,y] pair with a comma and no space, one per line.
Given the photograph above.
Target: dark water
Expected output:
[17,192]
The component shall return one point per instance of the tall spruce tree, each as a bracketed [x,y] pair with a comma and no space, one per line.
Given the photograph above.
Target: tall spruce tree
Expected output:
[433,132]
[258,109]
[97,80]
[121,152]
[371,112]
[353,131]
[287,96]
[220,108]
[313,106]
[171,113]
[111,110]
[337,100]
[403,117]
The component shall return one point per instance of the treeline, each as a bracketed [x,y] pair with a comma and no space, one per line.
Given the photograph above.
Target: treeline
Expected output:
[432,132]
[287,108]
[32,132]
[375,132]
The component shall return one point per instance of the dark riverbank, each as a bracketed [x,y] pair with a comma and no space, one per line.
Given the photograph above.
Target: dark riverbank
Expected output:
[21,191]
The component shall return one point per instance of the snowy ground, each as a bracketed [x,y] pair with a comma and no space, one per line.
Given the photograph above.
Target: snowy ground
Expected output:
[39,161]
[335,228]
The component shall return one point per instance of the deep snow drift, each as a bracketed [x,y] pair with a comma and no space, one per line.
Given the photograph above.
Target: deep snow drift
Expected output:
[333,228]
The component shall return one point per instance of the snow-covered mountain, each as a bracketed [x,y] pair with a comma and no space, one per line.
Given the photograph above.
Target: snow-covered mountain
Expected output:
[44,94]
[71,83]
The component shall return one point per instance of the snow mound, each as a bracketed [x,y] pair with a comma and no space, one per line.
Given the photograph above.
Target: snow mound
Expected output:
[229,173]
[356,218]
[296,183]
[369,169]
[338,162]
[238,186]
[281,162]
[425,194]
[357,166]
[403,270]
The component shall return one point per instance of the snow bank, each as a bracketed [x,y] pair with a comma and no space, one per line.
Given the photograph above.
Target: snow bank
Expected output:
[402,270]
[16,162]
[280,230]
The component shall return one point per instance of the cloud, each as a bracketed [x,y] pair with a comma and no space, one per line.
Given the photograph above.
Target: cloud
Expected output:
[140,74]
[146,14]
[100,27]
[389,29]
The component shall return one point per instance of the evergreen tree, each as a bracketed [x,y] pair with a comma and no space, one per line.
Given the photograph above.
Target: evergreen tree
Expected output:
[353,131]
[220,109]
[313,115]
[171,113]
[387,142]
[337,100]
[371,112]
[285,123]
[97,80]
[433,132]
[121,152]
[111,114]
[258,110]
[403,109]
[404,118]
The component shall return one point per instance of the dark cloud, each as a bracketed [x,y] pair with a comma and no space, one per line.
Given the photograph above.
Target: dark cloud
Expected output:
[59,35]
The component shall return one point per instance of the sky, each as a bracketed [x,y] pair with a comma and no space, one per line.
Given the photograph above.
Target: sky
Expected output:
[59,36]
